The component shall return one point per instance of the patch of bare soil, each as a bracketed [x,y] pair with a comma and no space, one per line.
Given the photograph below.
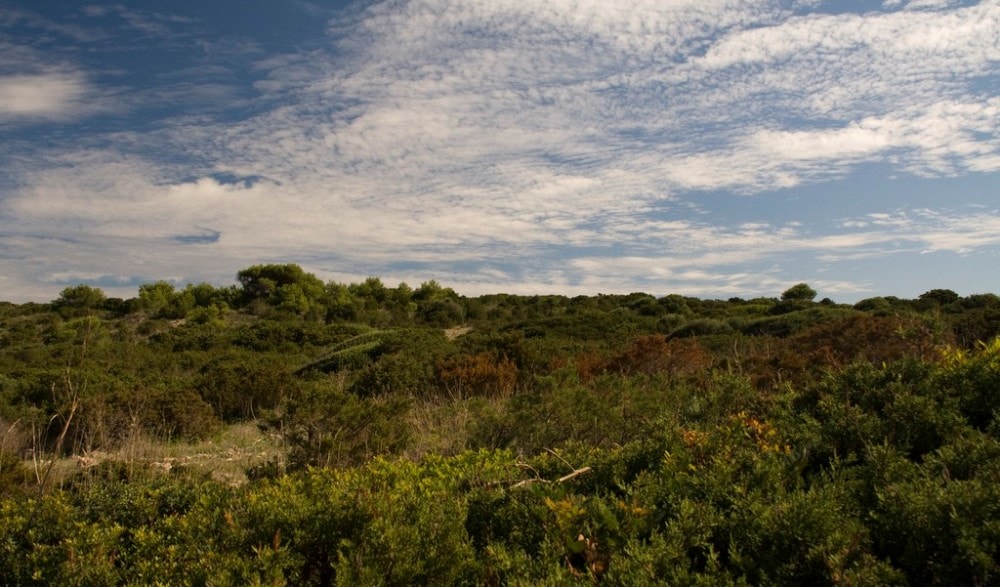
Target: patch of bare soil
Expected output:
[453,333]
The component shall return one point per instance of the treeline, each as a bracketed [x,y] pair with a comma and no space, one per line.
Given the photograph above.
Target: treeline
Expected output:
[433,438]
[287,293]
[278,292]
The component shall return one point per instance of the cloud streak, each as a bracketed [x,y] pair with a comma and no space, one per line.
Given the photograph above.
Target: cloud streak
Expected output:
[45,95]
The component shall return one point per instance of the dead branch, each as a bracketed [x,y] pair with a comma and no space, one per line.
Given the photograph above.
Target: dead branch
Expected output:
[576,473]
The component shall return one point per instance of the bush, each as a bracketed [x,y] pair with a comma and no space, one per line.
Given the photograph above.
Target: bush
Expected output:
[808,537]
[974,380]
[14,474]
[940,532]
[324,426]
[239,385]
[481,374]
[701,327]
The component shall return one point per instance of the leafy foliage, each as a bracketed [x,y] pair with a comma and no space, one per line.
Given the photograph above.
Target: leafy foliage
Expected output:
[431,438]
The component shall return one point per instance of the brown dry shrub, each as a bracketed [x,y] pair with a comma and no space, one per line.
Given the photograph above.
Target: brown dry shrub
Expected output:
[481,374]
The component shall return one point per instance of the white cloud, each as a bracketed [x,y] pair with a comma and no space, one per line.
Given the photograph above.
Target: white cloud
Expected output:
[42,95]
[849,142]
[920,4]
[960,38]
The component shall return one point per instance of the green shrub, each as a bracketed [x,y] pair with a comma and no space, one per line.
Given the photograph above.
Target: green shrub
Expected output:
[238,385]
[811,537]
[14,474]
[940,532]
[974,378]
[42,542]
[701,327]
[324,426]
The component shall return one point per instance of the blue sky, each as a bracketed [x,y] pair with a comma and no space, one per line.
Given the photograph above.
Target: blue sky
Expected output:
[711,148]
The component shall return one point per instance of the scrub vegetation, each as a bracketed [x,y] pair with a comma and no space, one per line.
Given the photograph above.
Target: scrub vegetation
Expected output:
[286,431]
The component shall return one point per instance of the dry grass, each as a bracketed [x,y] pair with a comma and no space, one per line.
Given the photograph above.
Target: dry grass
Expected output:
[225,457]
[447,426]
[438,427]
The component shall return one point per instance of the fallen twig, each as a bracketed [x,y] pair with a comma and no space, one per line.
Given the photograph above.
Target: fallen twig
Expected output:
[576,473]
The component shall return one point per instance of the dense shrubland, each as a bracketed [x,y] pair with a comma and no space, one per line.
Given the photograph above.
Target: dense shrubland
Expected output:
[430,438]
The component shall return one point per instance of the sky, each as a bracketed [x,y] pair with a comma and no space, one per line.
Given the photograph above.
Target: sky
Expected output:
[709,148]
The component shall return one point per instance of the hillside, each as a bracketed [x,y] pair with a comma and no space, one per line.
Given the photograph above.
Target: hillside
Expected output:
[366,434]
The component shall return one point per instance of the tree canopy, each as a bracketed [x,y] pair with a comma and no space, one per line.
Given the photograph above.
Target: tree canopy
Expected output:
[801,291]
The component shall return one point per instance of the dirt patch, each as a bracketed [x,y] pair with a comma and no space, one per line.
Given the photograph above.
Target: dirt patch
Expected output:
[453,333]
